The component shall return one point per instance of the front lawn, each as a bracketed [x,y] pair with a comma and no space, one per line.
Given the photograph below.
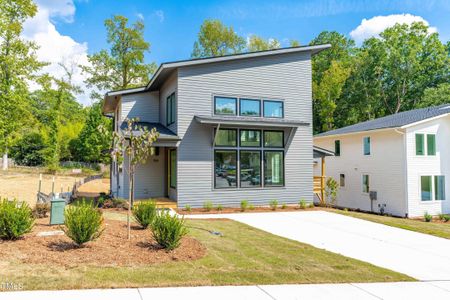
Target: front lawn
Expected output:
[438,229]
[241,256]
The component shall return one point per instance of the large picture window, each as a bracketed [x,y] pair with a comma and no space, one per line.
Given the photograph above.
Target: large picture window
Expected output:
[250,138]
[225,168]
[425,188]
[273,168]
[250,168]
[273,109]
[244,160]
[225,106]
[250,107]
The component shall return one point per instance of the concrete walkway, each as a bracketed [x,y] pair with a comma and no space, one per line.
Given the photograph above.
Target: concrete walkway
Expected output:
[357,291]
[421,256]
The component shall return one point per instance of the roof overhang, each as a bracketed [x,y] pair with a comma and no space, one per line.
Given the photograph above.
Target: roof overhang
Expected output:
[357,132]
[321,152]
[249,121]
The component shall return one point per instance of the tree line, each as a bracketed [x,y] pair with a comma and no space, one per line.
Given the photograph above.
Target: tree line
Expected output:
[406,67]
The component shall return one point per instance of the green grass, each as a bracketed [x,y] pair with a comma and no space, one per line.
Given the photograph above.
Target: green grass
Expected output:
[437,229]
[242,256]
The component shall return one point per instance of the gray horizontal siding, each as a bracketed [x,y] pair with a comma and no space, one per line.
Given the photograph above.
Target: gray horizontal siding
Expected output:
[144,106]
[166,90]
[286,77]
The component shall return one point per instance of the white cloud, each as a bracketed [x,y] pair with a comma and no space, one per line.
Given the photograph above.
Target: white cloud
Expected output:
[53,46]
[374,26]
[140,16]
[159,14]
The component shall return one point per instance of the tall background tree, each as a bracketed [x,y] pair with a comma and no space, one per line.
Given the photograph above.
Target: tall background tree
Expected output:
[18,63]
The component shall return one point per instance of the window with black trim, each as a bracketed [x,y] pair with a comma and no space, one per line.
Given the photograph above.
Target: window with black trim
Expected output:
[225,106]
[273,168]
[225,169]
[250,107]
[226,137]
[170,109]
[173,168]
[274,138]
[250,168]
[273,109]
[250,138]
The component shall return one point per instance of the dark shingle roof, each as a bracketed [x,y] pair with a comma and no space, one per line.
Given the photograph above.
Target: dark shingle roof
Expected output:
[392,121]
[164,132]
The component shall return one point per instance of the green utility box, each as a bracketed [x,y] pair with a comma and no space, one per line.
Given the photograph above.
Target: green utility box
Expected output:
[57,211]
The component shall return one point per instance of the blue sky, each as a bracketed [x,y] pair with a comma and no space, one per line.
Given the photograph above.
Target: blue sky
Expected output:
[172,26]
[68,30]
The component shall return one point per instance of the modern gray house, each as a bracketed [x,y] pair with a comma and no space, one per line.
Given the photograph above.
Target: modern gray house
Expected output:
[232,128]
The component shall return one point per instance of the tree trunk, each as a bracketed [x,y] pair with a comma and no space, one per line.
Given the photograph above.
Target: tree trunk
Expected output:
[130,196]
[5,161]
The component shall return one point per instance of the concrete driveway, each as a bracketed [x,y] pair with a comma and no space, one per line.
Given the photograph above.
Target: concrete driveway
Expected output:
[418,255]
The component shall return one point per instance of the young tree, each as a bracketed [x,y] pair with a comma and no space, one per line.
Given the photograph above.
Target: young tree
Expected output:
[134,145]
[123,65]
[257,43]
[215,39]
[18,63]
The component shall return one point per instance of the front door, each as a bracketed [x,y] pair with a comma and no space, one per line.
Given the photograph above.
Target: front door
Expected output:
[172,173]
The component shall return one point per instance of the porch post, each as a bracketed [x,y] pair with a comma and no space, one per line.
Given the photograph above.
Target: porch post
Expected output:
[322,179]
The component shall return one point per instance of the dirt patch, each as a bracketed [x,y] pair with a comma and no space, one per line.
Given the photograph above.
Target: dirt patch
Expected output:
[232,210]
[111,249]
[93,188]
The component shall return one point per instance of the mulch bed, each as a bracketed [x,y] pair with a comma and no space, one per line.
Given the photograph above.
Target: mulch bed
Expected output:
[230,210]
[112,248]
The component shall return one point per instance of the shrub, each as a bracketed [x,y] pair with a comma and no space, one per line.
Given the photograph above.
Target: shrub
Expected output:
[345,209]
[331,188]
[444,217]
[273,204]
[145,213]
[15,219]
[283,206]
[219,207]
[251,207]
[83,222]
[168,230]
[207,205]
[427,217]
[41,210]
[100,201]
[311,205]
[187,208]
[244,205]
[302,204]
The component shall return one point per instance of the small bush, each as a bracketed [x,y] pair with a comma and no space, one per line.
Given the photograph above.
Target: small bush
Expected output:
[15,219]
[283,206]
[302,204]
[446,218]
[311,205]
[427,217]
[100,201]
[273,204]
[244,205]
[168,230]
[346,209]
[251,207]
[83,223]
[187,208]
[208,205]
[145,213]
[41,210]
[219,207]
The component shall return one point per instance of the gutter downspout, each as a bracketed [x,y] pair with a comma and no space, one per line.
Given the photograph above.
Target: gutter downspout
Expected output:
[405,168]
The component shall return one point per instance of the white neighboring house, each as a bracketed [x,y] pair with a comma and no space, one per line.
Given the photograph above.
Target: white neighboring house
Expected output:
[404,158]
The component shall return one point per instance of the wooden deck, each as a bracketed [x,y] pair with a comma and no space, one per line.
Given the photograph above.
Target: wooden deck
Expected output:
[162,202]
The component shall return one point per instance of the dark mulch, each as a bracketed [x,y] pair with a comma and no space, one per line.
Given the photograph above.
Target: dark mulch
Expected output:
[112,248]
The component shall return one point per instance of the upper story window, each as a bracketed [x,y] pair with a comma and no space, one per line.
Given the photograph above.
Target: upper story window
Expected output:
[366,145]
[171,109]
[273,109]
[225,106]
[250,107]
[337,148]
[430,144]
[273,139]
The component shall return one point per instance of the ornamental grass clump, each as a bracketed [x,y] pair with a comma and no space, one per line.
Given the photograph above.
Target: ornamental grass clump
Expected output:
[273,204]
[244,205]
[168,230]
[427,217]
[15,219]
[144,213]
[83,223]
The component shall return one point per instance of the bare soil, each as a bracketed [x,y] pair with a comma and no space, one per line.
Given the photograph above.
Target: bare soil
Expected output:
[94,188]
[112,248]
